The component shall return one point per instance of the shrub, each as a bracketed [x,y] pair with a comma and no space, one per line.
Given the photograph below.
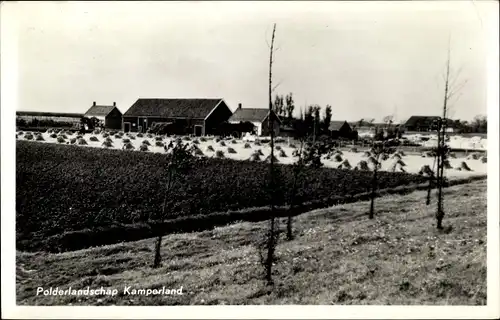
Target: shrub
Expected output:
[72,141]
[60,139]
[126,140]
[362,165]
[231,150]
[247,146]
[384,156]
[143,147]
[425,170]
[219,154]
[106,143]
[159,144]
[93,139]
[39,138]
[53,136]
[146,142]
[210,148]
[82,142]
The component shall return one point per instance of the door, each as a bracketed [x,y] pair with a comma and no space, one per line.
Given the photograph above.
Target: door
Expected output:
[198,130]
[126,126]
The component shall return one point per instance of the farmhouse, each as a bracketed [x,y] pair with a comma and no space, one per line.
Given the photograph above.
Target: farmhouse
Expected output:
[108,116]
[340,129]
[183,116]
[259,117]
[424,124]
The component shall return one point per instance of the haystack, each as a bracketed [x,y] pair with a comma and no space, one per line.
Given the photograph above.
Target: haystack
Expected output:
[210,149]
[59,139]
[292,146]
[82,142]
[106,144]
[198,152]
[247,146]
[128,146]
[219,154]
[484,159]
[259,152]
[363,165]
[397,166]
[282,154]
[146,142]
[143,147]
[345,165]
[426,171]
[353,150]
[255,157]
[93,138]
[464,166]
[452,155]
[337,157]
[38,138]
[222,143]
[268,159]
[384,156]
[231,150]
[277,148]
[447,165]
[338,152]
[367,154]
[371,160]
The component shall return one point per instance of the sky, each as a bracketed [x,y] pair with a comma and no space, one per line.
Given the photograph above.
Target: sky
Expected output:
[367,60]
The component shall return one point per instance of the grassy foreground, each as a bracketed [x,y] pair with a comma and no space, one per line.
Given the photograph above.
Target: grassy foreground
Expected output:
[338,257]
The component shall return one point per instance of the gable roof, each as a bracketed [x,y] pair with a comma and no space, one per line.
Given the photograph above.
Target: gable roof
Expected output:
[250,115]
[99,110]
[424,121]
[173,108]
[337,125]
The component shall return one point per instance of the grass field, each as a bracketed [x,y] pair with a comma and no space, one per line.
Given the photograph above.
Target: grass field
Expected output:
[337,257]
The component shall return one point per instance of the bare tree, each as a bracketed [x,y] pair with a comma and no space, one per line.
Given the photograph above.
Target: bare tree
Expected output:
[270,245]
[179,160]
[451,89]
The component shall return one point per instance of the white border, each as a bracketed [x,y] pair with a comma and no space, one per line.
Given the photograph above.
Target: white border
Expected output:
[9,66]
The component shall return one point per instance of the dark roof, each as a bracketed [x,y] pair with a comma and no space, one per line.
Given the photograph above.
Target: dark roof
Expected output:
[336,125]
[99,110]
[423,121]
[249,114]
[173,108]
[48,114]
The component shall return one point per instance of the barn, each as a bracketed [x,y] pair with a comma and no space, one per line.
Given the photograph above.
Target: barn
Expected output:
[109,116]
[340,129]
[184,116]
[259,117]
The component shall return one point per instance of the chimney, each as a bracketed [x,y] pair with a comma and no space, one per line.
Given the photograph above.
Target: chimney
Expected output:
[93,104]
[114,104]
[239,105]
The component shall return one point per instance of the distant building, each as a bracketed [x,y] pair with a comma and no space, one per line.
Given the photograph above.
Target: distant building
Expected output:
[424,124]
[259,117]
[340,129]
[183,116]
[47,119]
[109,116]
